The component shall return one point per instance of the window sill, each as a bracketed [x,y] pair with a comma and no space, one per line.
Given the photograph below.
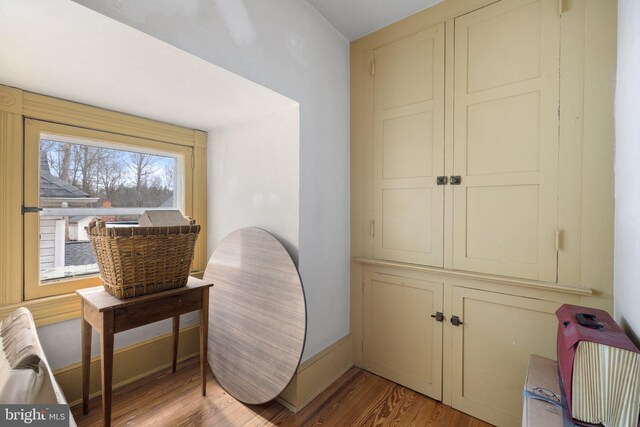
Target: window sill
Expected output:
[48,310]
[54,309]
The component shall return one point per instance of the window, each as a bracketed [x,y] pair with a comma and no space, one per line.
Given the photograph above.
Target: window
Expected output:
[26,119]
[75,175]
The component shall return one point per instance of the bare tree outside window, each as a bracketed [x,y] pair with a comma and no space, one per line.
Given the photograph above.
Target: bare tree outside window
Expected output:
[141,166]
[79,182]
[123,178]
[110,175]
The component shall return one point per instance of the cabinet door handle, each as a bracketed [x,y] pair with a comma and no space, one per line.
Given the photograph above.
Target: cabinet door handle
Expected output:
[442,180]
[455,321]
[438,316]
[455,179]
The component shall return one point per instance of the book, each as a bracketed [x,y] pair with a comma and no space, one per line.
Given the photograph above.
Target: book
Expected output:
[162,218]
[542,404]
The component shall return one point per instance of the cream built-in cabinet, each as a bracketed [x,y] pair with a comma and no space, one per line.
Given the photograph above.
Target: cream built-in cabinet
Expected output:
[491,349]
[479,129]
[475,362]
[408,143]
[505,139]
[411,356]
[504,143]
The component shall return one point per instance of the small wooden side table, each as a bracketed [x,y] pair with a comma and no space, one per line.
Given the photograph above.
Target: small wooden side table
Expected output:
[110,315]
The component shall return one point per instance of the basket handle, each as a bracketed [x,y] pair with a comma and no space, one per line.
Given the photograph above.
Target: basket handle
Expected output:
[97,225]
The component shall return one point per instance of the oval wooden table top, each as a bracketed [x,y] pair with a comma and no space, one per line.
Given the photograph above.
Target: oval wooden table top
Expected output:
[257,315]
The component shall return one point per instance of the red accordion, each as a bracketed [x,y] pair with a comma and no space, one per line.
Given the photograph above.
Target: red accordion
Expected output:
[599,368]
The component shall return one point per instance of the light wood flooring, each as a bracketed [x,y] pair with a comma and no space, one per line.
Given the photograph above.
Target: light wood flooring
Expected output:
[358,398]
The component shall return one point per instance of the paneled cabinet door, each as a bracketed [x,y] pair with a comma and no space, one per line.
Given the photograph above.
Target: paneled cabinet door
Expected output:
[506,139]
[408,134]
[491,351]
[402,342]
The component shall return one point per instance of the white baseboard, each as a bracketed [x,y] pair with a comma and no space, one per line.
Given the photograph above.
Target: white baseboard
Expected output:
[130,363]
[316,374]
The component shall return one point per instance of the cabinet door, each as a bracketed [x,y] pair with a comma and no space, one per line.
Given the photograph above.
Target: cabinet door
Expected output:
[506,139]
[408,147]
[491,351]
[402,342]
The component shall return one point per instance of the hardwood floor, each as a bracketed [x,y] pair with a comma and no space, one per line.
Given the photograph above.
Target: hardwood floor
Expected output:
[358,398]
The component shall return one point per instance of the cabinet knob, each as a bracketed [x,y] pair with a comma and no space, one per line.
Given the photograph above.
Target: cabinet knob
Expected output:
[455,321]
[438,316]
[442,180]
[455,179]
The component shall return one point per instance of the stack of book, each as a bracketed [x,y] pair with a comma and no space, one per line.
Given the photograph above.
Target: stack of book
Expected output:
[542,398]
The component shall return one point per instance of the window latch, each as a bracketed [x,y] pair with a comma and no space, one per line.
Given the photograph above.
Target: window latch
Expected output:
[30,209]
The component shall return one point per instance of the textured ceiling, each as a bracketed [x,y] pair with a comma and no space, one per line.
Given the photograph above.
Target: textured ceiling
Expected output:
[356,18]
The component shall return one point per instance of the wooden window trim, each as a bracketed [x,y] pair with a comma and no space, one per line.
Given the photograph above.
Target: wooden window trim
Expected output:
[33,129]
[16,106]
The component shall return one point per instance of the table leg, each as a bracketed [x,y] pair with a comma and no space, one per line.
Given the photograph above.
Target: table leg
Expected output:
[204,336]
[106,346]
[85,329]
[176,333]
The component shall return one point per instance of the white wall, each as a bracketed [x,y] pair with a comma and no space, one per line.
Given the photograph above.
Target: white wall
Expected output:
[62,344]
[627,170]
[253,178]
[288,47]
[96,60]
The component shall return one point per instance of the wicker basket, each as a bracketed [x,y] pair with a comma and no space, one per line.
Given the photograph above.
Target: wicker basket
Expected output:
[135,261]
